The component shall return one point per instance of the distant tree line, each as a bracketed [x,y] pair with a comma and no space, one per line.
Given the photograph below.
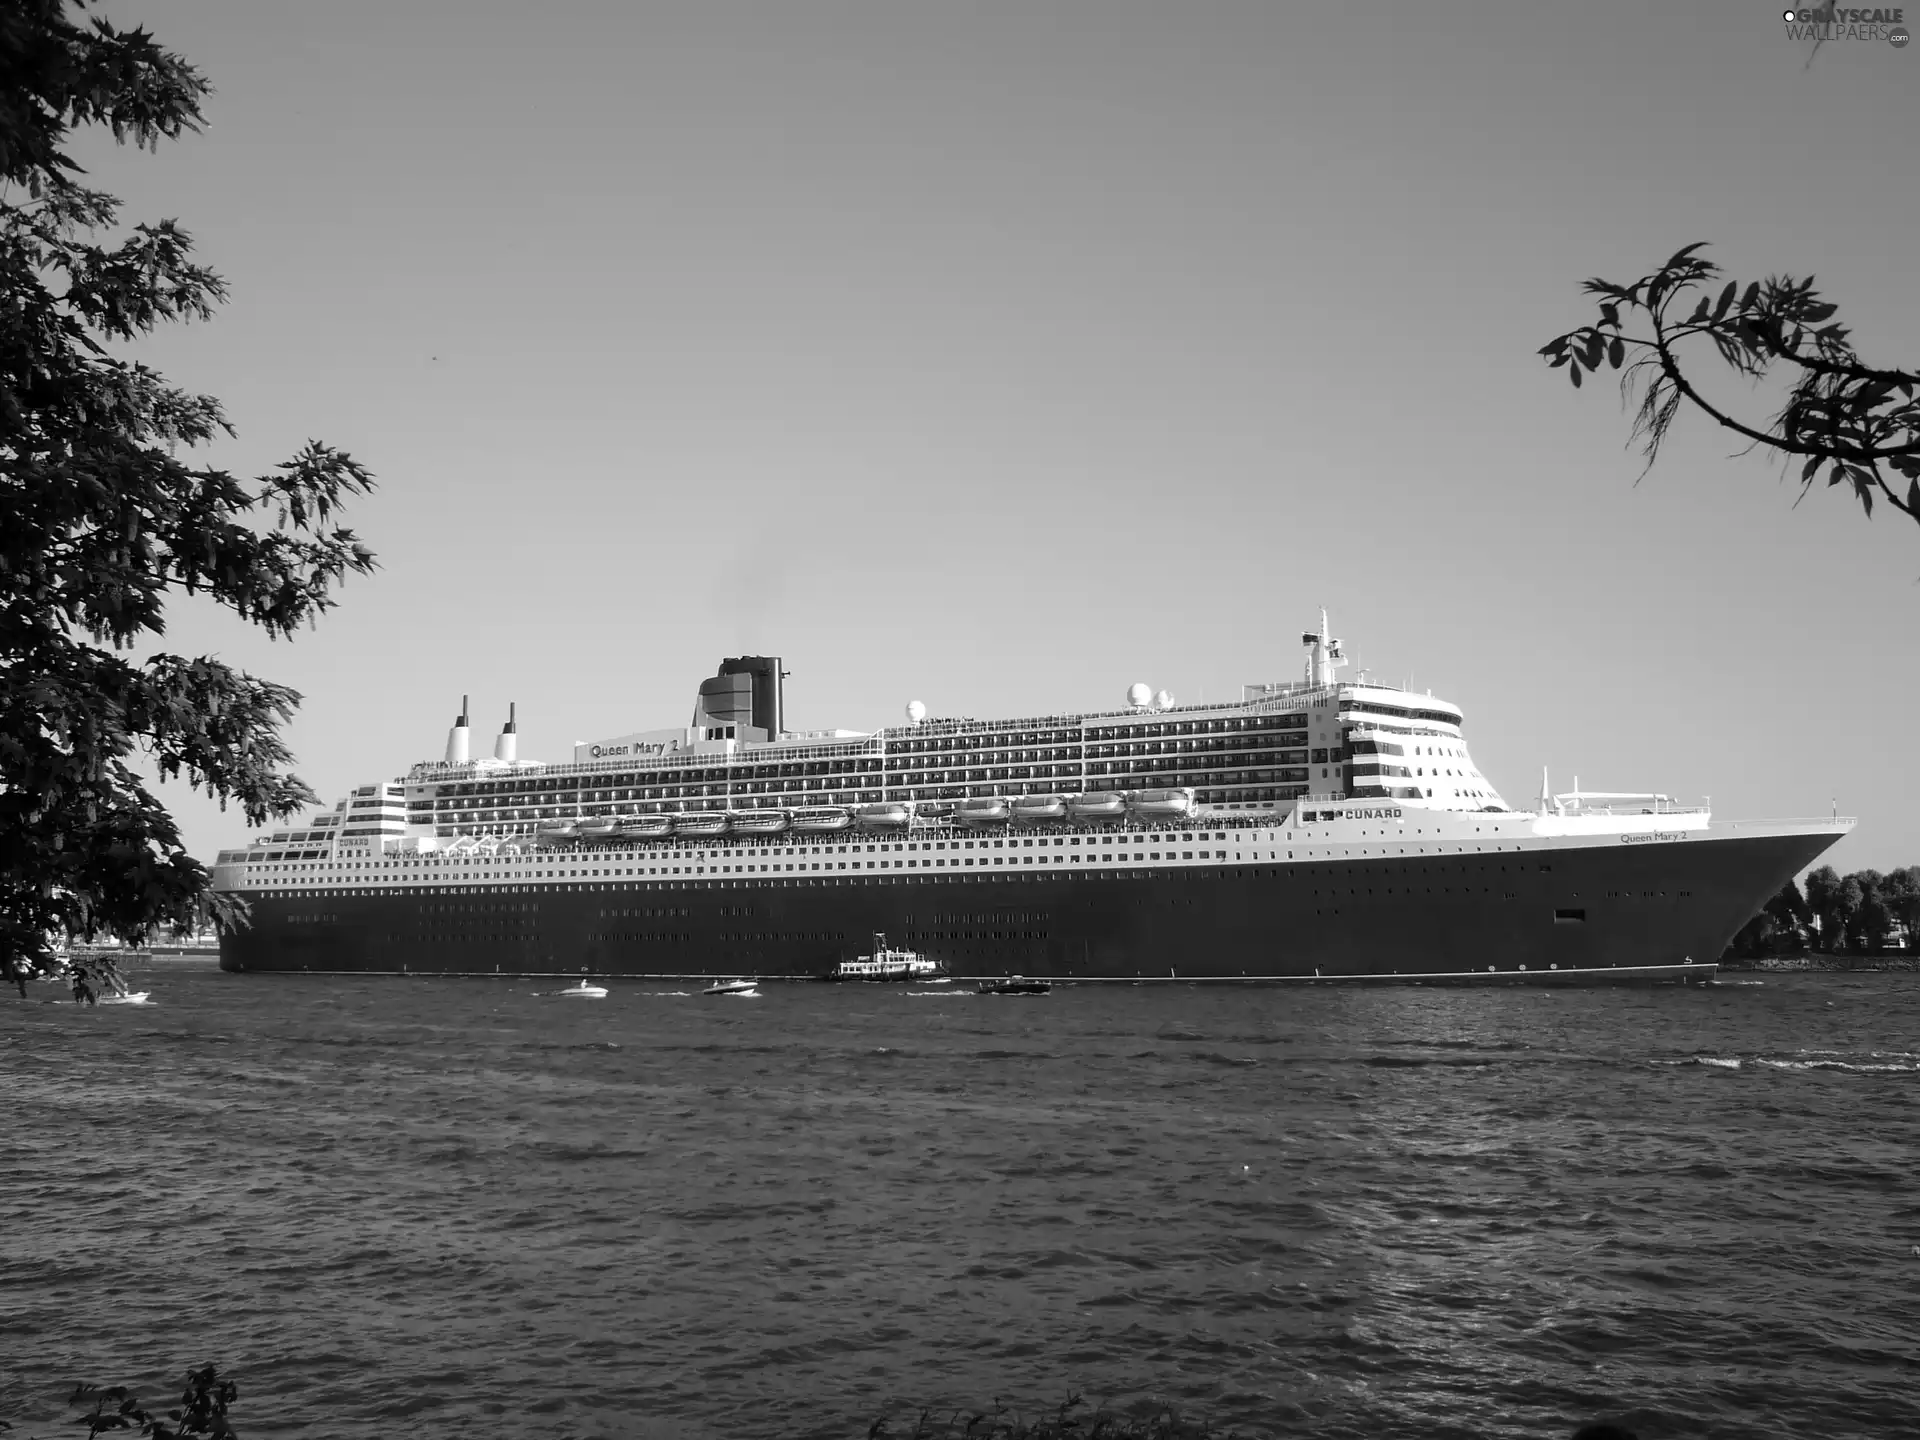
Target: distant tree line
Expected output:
[1865,913]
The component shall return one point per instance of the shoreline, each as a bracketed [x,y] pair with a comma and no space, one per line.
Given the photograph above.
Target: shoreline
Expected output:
[1904,962]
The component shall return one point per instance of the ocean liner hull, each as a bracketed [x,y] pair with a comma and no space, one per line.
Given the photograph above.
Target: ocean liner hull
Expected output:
[1550,910]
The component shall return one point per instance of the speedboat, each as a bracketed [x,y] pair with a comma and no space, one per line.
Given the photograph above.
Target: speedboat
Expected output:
[731,987]
[1014,985]
[584,991]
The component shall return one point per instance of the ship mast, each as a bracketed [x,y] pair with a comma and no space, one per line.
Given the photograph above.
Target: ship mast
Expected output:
[1324,654]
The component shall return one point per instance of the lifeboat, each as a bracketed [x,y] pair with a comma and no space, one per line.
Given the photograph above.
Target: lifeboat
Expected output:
[701,823]
[885,815]
[821,817]
[934,809]
[1037,808]
[1162,804]
[985,810]
[1102,805]
[599,828]
[644,827]
[759,822]
[557,832]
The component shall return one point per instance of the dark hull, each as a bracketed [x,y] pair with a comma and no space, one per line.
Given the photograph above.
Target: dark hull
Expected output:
[1554,913]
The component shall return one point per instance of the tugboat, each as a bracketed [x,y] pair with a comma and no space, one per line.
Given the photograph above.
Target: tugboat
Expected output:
[1014,985]
[886,963]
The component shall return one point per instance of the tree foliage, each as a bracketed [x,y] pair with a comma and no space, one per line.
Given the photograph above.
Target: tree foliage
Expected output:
[105,521]
[1865,912]
[202,1409]
[1857,424]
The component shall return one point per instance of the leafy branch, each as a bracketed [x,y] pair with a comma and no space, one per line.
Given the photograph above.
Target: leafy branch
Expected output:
[105,522]
[1859,422]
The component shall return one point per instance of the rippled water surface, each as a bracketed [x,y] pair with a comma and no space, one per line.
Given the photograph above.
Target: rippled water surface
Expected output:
[467,1207]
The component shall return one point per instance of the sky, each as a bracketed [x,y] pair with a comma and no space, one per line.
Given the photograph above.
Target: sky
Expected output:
[999,355]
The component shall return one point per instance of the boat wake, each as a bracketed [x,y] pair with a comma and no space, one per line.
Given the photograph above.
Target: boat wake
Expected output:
[1870,1062]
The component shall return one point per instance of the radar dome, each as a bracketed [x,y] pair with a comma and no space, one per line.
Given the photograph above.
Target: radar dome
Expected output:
[1164,700]
[916,712]
[1139,694]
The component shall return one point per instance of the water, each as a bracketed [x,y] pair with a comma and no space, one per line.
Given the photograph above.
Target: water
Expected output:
[463,1207]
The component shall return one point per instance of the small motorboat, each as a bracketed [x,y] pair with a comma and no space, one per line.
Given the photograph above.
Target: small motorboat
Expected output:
[1014,985]
[123,997]
[731,987]
[821,818]
[585,990]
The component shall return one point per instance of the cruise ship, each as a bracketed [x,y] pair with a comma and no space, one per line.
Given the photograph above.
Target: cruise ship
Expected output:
[1316,829]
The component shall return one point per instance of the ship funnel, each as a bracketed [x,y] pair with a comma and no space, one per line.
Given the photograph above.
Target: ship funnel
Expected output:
[457,737]
[745,694]
[507,747]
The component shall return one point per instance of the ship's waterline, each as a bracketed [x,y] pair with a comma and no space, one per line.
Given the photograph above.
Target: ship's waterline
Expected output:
[1314,830]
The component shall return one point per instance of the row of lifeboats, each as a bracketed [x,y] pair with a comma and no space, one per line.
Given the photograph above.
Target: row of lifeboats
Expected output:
[985,811]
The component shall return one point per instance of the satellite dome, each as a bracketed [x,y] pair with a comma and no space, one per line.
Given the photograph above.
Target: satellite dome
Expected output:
[916,712]
[1163,701]
[1138,694]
